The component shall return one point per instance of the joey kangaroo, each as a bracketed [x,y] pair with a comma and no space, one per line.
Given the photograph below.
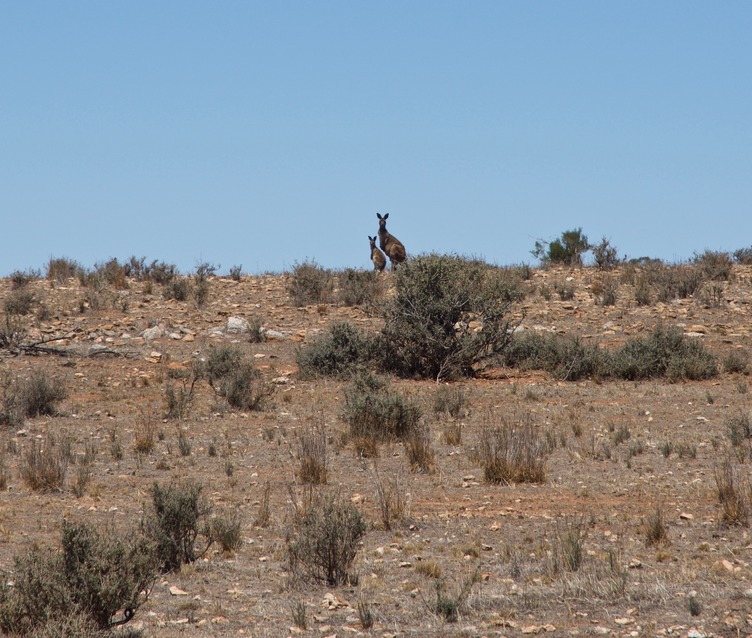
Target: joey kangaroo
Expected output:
[377,257]
[389,243]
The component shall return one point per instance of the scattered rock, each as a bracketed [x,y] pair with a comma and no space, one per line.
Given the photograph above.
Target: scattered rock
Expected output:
[152,333]
[237,325]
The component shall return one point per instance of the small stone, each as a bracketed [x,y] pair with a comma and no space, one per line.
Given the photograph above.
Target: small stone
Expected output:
[176,591]
[238,325]
[152,333]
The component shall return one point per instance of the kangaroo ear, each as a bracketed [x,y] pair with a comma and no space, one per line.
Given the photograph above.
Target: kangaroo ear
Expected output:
[379,216]
[386,216]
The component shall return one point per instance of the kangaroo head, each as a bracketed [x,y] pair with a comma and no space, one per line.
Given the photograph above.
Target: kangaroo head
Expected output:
[372,240]
[382,221]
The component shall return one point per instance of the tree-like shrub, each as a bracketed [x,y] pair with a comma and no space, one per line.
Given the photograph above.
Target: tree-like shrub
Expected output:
[177,517]
[94,576]
[566,250]
[447,318]
[324,539]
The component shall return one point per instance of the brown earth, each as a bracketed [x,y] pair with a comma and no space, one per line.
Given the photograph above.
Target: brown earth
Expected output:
[457,522]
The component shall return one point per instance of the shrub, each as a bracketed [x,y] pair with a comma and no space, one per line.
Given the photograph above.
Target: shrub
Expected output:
[22,278]
[338,352]
[60,269]
[372,410]
[310,284]
[88,582]
[511,453]
[567,250]
[177,517]
[225,530]
[161,272]
[235,378]
[605,255]
[177,289]
[656,531]
[201,283]
[736,361]
[449,607]
[447,318]
[236,272]
[420,456]
[19,302]
[449,399]
[565,357]
[359,287]
[391,499]
[743,256]
[568,549]
[714,265]
[665,352]
[324,539]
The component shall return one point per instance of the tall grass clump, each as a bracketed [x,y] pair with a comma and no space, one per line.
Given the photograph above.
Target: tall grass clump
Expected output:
[81,589]
[338,352]
[373,410]
[324,539]
[734,493]
[36,395]
[447,318]
[44,464]
[512,452]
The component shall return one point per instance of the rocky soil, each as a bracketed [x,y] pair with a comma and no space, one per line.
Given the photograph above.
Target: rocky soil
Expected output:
[116,355]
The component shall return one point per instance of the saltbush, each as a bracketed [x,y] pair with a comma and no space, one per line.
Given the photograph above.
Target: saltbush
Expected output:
[447,318]
[338,352]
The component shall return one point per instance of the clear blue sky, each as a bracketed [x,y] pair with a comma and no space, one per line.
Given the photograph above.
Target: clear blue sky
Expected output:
[266,133]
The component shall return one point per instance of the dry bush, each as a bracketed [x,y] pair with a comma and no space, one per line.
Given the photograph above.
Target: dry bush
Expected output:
[734,494]
[324,539]
[512,452]
[655,528]
[736,361]
[45,463]
[19,302]
[568,545]
[452,434]
[37,395]
[81,588]
[449,607]
[60,269]
[714,265]
[312,456]
[225,530]
[264,516]
[177,517]
[235,378]
[420,455]
[145,434]
[310,284]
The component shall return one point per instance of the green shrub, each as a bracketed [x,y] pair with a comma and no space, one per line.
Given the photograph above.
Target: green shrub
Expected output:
[235,378]
[324,539]
[359,287]
[338,352]
[372,410]
[447,318]
[226,531]
[736,361]
[201,283]
[449,399]
[567,250]
[665,352]
[565,357]
[177,517]
[236,272]
[310,284]
[94,577]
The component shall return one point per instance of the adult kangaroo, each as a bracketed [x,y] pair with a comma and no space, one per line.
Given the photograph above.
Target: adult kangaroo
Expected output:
[377,257]
[389,243]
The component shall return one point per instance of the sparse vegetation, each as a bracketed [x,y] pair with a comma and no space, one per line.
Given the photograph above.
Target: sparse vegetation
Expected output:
[566,250]
[512,452]
[310,284]
[338,352]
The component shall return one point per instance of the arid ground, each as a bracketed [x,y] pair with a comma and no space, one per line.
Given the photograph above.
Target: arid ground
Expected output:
[622,455]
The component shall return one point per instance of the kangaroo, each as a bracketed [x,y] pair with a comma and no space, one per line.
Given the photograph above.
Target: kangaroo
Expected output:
[390,244]
[377,257]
